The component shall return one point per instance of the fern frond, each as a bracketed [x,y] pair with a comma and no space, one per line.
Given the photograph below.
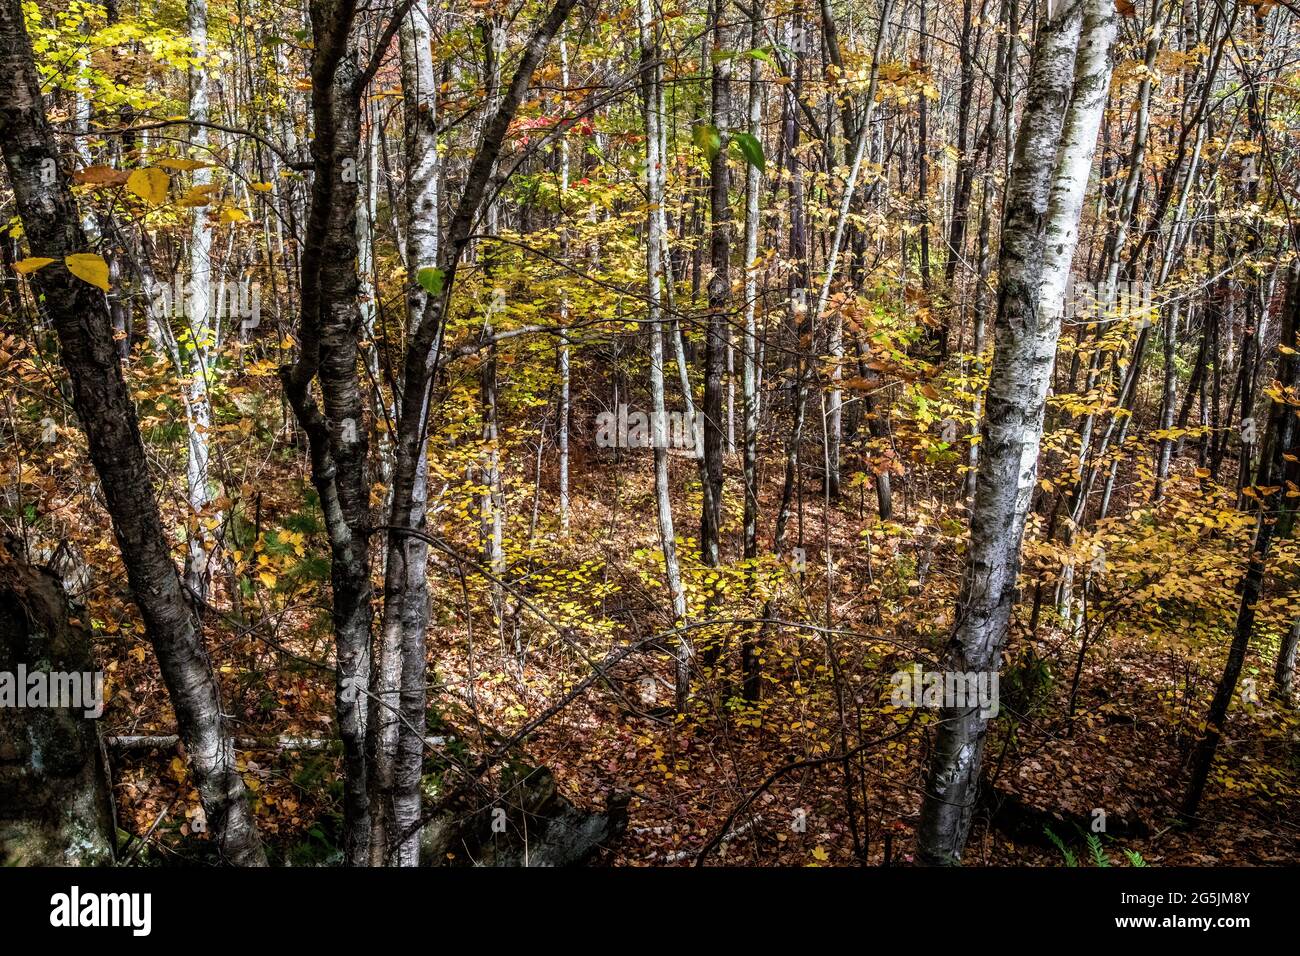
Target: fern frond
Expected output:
[1070,858]
[1099,857]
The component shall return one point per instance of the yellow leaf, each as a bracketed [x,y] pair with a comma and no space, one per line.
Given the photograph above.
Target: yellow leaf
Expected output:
[194,197]
[185,165]
[31,264]
[267,578]
[261,187]
[88,267]
[820,854]
[149,184]
[232,214]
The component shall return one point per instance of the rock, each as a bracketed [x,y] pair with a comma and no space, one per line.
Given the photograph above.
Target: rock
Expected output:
[531,825]
[55,802]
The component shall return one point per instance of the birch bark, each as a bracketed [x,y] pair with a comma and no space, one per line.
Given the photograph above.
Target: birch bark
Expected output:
[1050,171]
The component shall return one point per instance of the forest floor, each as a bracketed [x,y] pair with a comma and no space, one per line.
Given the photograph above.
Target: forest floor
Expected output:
[768,776]
[1122,753]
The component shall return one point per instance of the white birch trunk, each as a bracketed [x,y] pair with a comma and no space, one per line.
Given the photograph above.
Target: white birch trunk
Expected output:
[400,677]
[1044,196]
[562,438]
[654,266]
[203,343]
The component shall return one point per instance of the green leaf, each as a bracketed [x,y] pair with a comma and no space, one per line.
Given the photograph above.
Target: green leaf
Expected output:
[708,140]
[430,280]
[1070,858]
[1099,857]
[751,149]
[1135,858]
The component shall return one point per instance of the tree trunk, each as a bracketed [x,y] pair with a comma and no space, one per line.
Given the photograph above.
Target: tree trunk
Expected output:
[653,72]
[836,345]
[203,327]
[1275,467]
[562,433]
[749,656]
[401,671]
[1284,670]
[719,295]
[1044,196]
[55,801]
[420,367]
[79,313]
[328,333]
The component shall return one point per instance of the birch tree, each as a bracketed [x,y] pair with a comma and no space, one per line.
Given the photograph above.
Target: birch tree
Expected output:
[1053,159]
[399,753]
[651,77]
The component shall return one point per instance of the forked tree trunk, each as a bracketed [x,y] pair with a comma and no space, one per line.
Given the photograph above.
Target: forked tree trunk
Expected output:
[328,335]
[419,370]
[1044,196]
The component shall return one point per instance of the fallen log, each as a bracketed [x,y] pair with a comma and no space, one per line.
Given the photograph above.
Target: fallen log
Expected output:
[1025,823]
[529,824]
[128,743]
